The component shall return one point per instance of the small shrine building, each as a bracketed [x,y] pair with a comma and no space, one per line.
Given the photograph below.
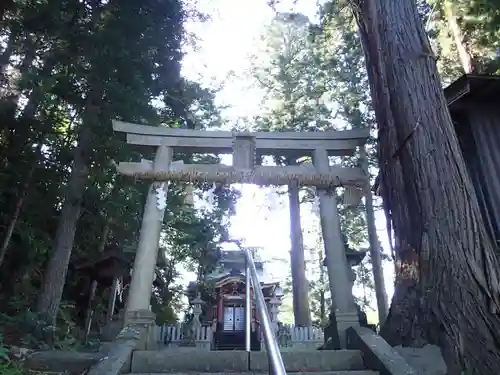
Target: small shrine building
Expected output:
[224,309]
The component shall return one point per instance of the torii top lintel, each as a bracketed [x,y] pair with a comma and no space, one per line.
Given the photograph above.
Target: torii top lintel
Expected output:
[342,142]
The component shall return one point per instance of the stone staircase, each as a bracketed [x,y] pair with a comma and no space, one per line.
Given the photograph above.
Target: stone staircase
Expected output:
[368,354]
[195,361]
[235,341]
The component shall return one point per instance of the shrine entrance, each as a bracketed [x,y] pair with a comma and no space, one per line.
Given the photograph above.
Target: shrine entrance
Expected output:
[247,149]
[232,333]
[234,317]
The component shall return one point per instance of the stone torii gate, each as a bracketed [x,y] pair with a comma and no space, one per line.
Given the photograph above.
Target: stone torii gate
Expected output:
[244,147]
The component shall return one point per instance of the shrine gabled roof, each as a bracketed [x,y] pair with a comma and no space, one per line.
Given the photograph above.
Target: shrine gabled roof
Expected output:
[237,274]
[107,254]
[234,276]
[240,278]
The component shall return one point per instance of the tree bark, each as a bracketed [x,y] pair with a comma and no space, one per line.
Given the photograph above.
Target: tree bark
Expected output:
[448,289]
[55,274]
[300,288]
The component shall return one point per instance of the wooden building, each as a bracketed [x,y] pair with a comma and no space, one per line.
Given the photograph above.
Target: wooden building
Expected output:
[225,308]
[474,104]
[101,279]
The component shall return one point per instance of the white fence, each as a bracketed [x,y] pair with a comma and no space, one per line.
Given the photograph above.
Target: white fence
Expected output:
[171,335]
[288,336]
[306,333]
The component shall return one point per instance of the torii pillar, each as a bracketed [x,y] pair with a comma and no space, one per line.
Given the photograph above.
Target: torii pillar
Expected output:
[138,311]
[335,254]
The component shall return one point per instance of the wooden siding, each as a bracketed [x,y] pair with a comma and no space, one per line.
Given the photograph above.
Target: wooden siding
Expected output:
[478,131]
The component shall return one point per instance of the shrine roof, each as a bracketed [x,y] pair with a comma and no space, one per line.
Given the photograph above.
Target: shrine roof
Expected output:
[241,278]
[235,272]
[472,87]
[109,253]
[235,275]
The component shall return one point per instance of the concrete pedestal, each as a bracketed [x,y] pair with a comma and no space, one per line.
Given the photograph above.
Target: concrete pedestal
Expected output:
[145,322]
[344,321]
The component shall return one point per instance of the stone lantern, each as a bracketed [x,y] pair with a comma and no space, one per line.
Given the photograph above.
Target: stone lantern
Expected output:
[274,310]
[197,310]
[189,330]
[354,258]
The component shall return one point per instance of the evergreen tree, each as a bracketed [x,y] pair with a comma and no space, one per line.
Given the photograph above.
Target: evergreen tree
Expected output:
[438,226]
[68,68]
[314,79]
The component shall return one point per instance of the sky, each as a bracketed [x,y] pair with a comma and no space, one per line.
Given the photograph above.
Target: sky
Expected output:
[222,57]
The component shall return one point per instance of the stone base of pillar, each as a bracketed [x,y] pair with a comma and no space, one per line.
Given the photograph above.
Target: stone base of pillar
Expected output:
[344,321]
[121,316]
[145,322]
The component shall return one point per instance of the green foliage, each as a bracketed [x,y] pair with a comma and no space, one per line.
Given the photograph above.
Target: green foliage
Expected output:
[7,365]
[314,79]
[66,70]
[292,76]
[3,350]
[12,368]
[477,22]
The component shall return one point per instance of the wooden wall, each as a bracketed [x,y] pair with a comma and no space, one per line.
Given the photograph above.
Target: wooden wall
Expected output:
[478,131]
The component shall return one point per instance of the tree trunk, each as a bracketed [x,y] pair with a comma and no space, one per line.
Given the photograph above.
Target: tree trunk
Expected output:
[34,100]
[55,274]
[29,112]
[300,288]
[463,51]
[448,287]
[94,284]
[403,323]
[19,205]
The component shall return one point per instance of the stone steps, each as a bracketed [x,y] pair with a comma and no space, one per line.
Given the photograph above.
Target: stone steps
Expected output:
[348,372]
[192,360]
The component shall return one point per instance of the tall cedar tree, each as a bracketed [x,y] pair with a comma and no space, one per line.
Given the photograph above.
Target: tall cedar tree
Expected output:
[447,288]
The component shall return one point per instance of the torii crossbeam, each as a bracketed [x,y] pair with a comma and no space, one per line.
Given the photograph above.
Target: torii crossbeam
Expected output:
[245,147]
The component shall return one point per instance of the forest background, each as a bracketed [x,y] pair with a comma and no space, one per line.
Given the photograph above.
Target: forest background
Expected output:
[68,67]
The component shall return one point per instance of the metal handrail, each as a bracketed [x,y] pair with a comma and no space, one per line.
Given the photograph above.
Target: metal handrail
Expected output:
[276,366]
